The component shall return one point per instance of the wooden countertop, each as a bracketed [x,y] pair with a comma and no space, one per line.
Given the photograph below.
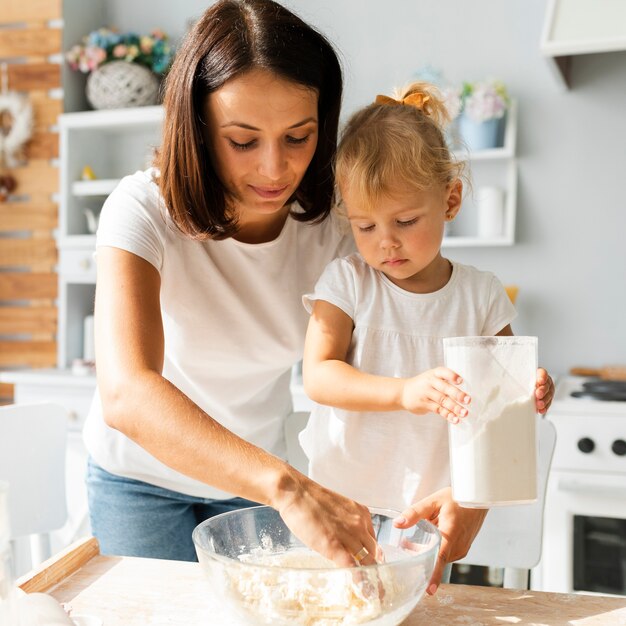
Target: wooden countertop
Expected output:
[125,591]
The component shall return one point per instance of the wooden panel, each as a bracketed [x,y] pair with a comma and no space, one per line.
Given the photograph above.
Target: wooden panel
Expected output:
[43,145]
[6,393]
[27,286]
[27,76]
[29,320]
[38,177]
[28,253]
[29,353]
[14,11]
[46,110]
[24,42]
[20,216]
[60,566]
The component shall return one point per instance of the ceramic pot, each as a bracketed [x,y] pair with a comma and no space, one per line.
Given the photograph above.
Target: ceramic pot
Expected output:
[120,84]
[481,135]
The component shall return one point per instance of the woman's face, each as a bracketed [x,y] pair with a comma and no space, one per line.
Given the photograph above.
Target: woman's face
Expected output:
[262,130]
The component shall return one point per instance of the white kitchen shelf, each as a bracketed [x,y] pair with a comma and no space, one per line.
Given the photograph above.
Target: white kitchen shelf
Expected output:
[494,167]
[94,187]
[573,27]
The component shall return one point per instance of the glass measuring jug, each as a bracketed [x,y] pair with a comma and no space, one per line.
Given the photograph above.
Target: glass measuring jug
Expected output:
[493,451]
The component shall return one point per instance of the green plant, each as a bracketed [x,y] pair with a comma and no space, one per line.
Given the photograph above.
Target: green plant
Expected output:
[105,45]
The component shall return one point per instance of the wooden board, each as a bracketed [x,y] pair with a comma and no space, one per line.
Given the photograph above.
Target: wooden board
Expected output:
[25,42]
[28,216]
[28,320]
[42,145]
[28,286]
[30,76]
[34,253]
[14,11]
[125,590]
[6,393]
[38,177]
[46,110]
[28,353]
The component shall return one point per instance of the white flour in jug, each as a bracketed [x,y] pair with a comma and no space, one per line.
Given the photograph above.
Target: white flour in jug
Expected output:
[493,460]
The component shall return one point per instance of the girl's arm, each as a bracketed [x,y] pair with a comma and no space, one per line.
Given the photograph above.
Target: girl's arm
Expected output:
[139,402]
[544,387]
[328,379]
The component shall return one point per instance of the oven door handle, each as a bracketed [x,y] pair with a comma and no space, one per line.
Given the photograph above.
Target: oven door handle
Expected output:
[590,486]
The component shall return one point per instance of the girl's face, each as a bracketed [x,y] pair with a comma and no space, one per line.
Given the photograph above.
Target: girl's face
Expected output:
[262,130]
[401,236]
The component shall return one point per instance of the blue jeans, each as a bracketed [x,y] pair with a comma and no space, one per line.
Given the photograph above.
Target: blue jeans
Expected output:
[133,518]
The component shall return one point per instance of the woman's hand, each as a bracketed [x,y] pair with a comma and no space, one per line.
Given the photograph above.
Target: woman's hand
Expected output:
[544,391]
[436,391]
[335,526]
[458,527]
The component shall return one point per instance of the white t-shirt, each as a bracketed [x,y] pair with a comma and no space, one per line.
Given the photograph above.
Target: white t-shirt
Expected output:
[233,323]
[391,459]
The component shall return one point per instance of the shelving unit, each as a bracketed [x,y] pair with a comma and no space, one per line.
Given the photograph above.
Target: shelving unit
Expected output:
[113,143]
[496,167]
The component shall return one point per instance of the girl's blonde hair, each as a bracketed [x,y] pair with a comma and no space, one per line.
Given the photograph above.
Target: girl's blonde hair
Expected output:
[393,145]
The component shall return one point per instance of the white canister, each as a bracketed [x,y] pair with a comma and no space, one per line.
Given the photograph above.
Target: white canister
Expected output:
[493,450]
[490,205]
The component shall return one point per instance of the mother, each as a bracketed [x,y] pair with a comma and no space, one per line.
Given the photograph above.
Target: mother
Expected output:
[202,262]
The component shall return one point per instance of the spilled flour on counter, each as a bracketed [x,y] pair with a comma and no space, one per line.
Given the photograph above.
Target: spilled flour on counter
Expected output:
[281,594]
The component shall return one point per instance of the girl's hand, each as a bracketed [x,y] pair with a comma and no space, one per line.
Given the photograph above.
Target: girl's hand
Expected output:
[458,528]
[436,391]
[335,526]
[544,391]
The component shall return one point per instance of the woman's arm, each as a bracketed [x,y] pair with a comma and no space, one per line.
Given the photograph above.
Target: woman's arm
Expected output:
[139,402]
[328,379]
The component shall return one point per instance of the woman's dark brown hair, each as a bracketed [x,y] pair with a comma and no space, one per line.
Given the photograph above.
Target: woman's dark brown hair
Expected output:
[232,37]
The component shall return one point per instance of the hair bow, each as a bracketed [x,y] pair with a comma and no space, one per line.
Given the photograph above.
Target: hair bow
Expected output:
[417,100]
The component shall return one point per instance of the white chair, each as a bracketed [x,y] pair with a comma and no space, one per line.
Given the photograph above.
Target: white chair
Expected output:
[32,462]
[510,537]
[295,454]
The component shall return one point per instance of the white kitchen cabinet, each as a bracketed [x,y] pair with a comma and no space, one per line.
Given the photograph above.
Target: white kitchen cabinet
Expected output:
[75,394]
[496,167]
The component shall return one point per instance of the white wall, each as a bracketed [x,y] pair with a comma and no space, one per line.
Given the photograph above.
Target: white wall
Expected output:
[570,259]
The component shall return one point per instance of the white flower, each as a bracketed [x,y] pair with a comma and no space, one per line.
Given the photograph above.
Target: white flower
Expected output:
[486,101]
[452,101]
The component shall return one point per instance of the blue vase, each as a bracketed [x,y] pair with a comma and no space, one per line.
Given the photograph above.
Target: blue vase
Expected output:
[481,135]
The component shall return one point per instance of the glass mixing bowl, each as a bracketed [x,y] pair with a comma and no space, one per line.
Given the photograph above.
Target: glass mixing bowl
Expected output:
[262,572]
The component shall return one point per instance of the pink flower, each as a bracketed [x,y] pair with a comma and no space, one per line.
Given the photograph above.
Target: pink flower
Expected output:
[120,51]
[157,33]
[146,44]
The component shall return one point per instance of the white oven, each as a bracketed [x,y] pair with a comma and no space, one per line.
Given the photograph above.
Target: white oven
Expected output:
[584,540]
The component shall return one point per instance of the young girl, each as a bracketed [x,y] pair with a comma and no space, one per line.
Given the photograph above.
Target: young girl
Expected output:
[378,317]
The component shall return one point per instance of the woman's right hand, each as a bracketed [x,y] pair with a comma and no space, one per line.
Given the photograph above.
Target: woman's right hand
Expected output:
[436,391]
[331,524]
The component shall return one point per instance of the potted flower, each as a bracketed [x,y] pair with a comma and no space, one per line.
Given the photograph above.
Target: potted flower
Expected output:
[124,68]
[483,109]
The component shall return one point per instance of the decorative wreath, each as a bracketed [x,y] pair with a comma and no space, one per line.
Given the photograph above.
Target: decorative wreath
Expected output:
[21,112]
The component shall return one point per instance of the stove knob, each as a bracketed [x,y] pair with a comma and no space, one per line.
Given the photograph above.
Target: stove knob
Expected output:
[619,447]
[586,445]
